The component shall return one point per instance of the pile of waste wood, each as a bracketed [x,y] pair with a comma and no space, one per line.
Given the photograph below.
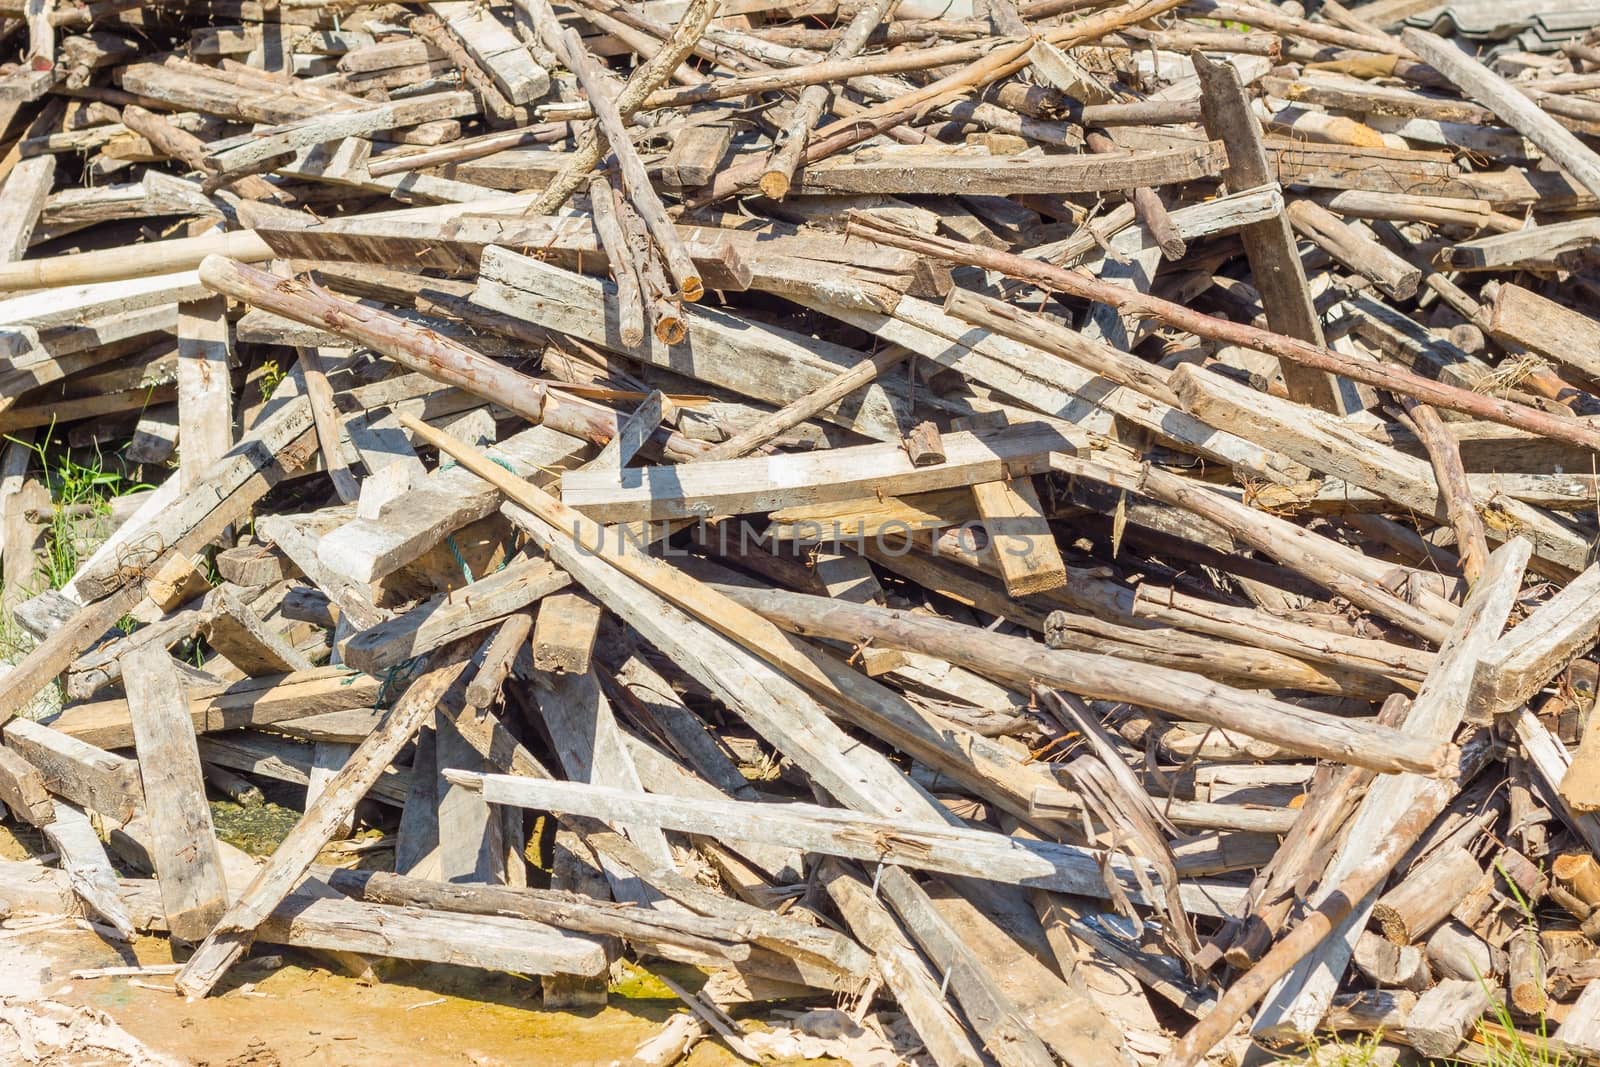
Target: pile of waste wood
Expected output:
[1064,528]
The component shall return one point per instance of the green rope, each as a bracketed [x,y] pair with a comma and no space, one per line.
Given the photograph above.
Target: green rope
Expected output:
[466,571]
[496,460]
[461,561]
[399,670]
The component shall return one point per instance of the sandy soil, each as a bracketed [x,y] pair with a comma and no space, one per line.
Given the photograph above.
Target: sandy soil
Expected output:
[295,1016]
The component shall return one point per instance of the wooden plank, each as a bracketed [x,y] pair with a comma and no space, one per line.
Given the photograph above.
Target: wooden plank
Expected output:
[1019,536]
[20,539]
[1274,262]
[272,699]
[232,483]
[887,171]
[470,844]
[1553,330]
[734,486]
[285,760]
[830,831]
[184,845]
[487,942]
[448,616]
[248,643]
[353,600]
[23,790]
[314,377]
[88,776]
[564,633]
[22,201]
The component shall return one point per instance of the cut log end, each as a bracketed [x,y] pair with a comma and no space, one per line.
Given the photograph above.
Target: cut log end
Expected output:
[775,185]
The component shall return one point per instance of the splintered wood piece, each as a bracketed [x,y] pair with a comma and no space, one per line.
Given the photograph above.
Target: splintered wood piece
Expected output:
[492,44]
[1534,651]
[184,844]
[1581,1030]
[1020,538]
[892,173]
[924,445]
[89,871]
[1526,973]
[23,789]
[237,928]
[564,633]
[175,583]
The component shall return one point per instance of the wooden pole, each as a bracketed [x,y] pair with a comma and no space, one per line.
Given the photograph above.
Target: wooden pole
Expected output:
[1132,302]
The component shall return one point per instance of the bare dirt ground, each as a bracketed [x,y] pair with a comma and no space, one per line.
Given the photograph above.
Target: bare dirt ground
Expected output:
[294,1016]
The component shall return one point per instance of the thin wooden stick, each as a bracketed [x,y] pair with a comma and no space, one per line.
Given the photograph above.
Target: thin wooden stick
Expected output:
[635,181]
[1444,452]
[630,298]
[645,78]
[791,141]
